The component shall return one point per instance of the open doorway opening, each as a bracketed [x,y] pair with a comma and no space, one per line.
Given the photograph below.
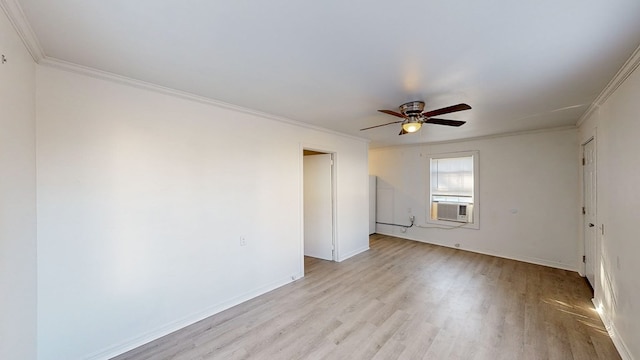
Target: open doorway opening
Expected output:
[319,203]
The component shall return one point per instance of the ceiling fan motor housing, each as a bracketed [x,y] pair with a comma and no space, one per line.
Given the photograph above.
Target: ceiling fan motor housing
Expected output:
[412,108]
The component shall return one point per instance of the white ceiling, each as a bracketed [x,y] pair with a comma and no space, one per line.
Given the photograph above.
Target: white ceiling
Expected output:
[521,65]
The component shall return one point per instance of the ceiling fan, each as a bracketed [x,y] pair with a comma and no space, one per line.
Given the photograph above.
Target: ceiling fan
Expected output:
[413,116]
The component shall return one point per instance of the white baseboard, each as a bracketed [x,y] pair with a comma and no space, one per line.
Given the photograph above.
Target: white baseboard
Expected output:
[620,345]
[526,259]
[352,254]
[133,343]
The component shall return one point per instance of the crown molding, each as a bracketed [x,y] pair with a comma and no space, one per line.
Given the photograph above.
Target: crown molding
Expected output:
[20,23]
[627,69]
[104,75]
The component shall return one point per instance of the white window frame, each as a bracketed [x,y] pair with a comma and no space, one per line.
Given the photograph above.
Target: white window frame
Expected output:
[476,190]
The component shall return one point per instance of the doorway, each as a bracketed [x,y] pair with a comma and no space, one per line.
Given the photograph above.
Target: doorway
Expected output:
[318,204]
[589,209]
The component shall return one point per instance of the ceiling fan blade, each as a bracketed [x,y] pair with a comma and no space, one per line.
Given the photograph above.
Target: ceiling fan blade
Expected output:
[446,110]
[371,127]
[445,122]
[389,112]
[402,132]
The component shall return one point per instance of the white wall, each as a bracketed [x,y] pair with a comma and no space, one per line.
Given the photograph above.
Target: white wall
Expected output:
[534,175]
[143,197]
[17,198]
[616,127]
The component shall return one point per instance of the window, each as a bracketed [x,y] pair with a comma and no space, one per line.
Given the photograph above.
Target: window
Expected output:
[453,184]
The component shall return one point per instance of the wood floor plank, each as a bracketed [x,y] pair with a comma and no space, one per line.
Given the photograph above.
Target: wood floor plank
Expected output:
[404,300]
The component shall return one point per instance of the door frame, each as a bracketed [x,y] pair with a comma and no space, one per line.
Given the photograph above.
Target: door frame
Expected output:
[596,237]
[334,172]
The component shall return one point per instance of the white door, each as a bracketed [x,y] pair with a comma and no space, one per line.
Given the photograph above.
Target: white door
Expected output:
[372,204]
[318,214]
[589,177]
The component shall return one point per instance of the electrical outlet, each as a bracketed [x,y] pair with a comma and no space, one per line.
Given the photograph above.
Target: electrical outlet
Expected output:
[243,241]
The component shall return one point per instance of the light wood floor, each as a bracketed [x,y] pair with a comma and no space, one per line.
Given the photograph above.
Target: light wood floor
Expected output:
[404,300]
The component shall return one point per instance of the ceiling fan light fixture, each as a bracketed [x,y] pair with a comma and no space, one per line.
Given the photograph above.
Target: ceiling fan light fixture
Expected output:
[413,117]
[411,125]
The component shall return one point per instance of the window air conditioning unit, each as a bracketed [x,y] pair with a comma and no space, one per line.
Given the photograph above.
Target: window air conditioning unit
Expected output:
[455,212]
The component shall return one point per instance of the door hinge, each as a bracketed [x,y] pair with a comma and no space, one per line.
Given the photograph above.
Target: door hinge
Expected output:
[602,229]
[583,211]
[584,258]
[583,162]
